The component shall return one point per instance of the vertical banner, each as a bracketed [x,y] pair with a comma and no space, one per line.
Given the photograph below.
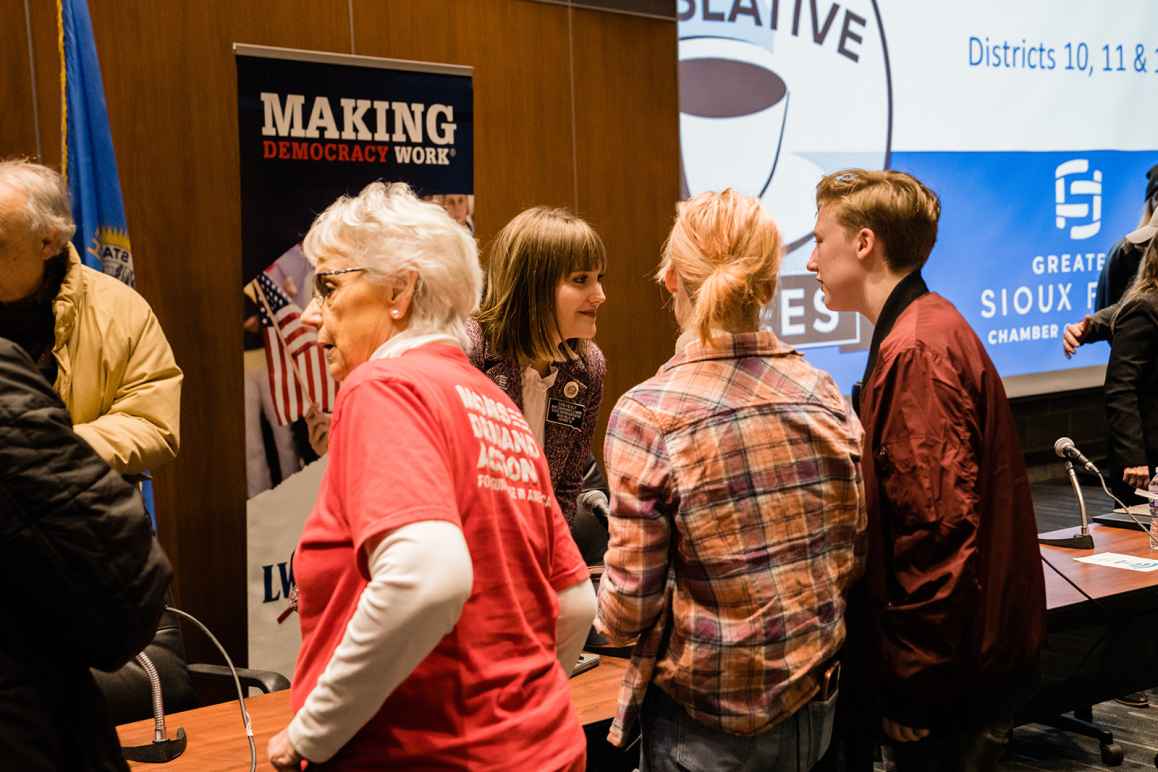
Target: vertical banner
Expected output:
[313,127]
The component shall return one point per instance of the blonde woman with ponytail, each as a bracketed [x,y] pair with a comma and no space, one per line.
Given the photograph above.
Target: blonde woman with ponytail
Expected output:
[737,506]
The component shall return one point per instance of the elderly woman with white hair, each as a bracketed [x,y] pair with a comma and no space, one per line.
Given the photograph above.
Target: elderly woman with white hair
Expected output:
[442,599]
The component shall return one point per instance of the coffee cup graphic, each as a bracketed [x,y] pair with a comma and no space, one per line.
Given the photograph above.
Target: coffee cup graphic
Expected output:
[733,110]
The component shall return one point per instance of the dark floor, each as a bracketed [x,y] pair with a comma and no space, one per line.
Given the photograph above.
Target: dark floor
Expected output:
[1135,729]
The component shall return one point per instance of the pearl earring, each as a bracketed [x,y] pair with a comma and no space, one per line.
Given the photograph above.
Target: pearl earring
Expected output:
[395,313]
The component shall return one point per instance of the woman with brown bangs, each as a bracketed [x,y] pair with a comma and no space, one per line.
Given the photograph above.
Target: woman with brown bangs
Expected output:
[533,336]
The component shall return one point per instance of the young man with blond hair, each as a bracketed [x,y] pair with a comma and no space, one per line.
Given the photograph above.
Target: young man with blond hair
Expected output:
[945,630]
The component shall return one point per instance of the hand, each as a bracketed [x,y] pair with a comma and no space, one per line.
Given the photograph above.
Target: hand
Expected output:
[282,754]
[899,733]
[1136,476]
[318,424]
[1072,337]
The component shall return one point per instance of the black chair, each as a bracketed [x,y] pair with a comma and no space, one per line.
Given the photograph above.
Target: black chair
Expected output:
[1081,723]
[1082,665]
[127,690]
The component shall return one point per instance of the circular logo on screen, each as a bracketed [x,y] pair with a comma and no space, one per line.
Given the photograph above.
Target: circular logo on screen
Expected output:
[774,98]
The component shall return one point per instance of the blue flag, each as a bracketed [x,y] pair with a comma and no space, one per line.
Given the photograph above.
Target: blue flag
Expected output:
[89,163]
[102,235]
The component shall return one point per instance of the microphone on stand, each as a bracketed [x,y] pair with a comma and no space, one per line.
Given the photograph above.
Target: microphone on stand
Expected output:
[162,749]
[1066,449]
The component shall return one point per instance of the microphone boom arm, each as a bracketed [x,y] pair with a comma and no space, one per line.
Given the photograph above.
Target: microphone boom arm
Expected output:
[162,750]
[1082,539]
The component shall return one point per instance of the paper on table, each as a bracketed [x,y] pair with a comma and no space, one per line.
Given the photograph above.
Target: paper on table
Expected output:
[1140,510]
[1146,494]
[1116,560]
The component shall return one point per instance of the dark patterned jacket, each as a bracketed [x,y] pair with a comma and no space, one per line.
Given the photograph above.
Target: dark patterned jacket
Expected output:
[578,388]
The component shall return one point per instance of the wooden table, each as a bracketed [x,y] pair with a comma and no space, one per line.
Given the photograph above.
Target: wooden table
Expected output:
[1101,648]
[217,739]
[1115,586]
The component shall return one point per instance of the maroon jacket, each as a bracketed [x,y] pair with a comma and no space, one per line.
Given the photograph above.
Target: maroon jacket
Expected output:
[953,586]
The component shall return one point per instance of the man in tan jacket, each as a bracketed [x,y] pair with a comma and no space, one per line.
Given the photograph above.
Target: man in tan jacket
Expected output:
[95,339]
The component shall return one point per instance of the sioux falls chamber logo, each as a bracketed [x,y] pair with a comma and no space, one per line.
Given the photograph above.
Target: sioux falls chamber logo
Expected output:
[773,95]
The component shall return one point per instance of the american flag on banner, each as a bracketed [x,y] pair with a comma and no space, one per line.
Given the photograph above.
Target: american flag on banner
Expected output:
[298,374]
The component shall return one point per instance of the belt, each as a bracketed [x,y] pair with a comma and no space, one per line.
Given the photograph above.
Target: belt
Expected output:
[828,679]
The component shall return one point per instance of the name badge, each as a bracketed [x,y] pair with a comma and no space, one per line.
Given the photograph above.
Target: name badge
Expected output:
[565,413]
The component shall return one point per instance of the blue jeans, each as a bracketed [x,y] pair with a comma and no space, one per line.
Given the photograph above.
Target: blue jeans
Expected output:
[674,742]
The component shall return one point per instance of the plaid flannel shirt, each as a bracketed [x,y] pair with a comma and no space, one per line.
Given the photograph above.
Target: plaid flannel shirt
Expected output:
[737,523]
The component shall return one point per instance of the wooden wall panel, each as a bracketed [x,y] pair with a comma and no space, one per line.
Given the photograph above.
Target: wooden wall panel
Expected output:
[522,101]
[170,85]
[172,106]
[17,127]
[46,52]
[622,118]
[173,110]
[628,170]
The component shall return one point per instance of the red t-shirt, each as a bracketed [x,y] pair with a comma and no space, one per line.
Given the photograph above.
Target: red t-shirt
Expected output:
[426,436]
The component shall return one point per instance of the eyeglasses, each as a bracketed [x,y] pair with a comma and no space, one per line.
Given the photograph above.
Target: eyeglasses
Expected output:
[323,290]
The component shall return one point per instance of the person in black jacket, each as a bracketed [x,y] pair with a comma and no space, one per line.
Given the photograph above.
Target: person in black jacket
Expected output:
[82,580]
[1131,387]
[1132,380]
[1123,258]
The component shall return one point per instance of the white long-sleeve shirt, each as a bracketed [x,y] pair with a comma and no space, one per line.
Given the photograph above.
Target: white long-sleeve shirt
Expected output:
[420,578]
